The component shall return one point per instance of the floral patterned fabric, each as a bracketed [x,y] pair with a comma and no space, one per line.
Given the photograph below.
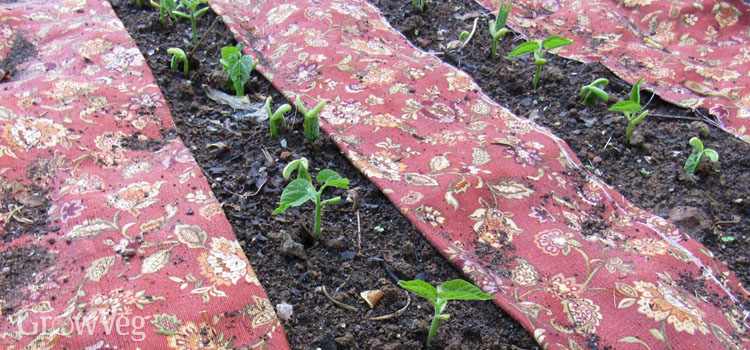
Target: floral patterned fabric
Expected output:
[500,197]
[143,255]
[692,53]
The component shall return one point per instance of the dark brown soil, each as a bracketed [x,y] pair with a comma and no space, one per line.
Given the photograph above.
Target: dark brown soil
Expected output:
[23,211]
[19,269]
[21,50]
[363,239]
[712,206]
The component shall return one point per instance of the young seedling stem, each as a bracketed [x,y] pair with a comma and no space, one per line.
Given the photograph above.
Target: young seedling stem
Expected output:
[418,4]
[451,290]
[311,122]
[177,55]
[166,7]
[497,27]
[277,116]
[193,13]
[539,50]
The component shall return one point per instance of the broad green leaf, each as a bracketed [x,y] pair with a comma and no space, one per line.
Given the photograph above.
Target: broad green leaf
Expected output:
[329,177]
[635,92]
[229,51]
[239,72]
[626,106]
[696,143]
[692,163]
[711,154]
[527,47]
[421,288]
[459,289]
[555,41]
[295,194]
[326,175]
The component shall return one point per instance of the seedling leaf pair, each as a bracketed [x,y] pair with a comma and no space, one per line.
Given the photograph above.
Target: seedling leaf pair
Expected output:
[695,158]
[301,190]
[539,50]
[630,108]
[450,290]
[239,66]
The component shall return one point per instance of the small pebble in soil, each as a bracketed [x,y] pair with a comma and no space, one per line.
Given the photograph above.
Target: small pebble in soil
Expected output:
[293,249]
[700,127]
[284,311]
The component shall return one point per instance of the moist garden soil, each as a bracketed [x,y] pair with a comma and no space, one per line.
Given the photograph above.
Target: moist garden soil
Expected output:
[367,243]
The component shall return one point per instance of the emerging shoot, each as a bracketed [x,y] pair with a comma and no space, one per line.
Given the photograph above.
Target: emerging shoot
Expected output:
[691,164]
[277,116]
[630,109]
[593,92]
[539,50]
[239,66]
[311,122]
[451,290]
[418,4]
[301,190]
[177,55]
[497,27]
[193,13]
[166,7]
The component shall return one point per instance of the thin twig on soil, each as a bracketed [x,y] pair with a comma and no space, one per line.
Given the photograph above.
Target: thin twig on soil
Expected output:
[336,302]
[673,116]
[359,234]
[205,34]
[395,314]
[718,223]
[471,35]
[709,196]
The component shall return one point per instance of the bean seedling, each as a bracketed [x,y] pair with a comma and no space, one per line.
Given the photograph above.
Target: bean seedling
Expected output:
[277,116]
[311,122]
[239,66]
[457,289]
[497,27]
[630,109]
[593,92]
[301,190]
[691,164]
[166,7]
[191,6]
[177,55]
[539,50]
